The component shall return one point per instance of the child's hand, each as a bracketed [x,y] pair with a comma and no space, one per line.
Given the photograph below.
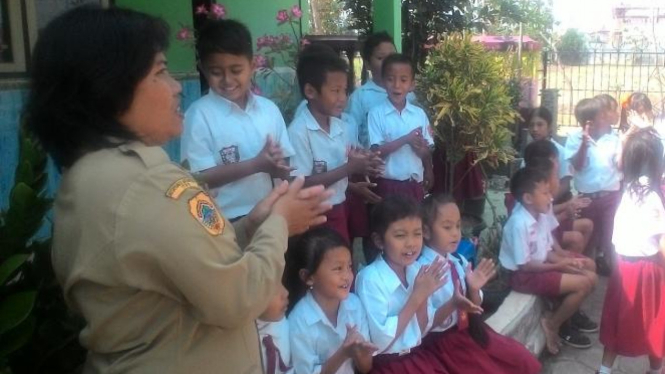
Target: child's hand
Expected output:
[476,279]
[271,160]
[586,137]
[571,266]
[421,147]
[638,121]
[580,202]
[378,165]
[413,138]
[463,304]
[363,189]
[430,278]
[428,178]
[359,161]
[356,345]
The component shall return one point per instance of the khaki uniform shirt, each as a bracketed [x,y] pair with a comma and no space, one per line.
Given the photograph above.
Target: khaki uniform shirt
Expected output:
[165,283]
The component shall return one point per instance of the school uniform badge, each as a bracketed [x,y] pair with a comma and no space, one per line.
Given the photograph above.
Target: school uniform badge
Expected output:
[204,210]
[230,155]
[319,167]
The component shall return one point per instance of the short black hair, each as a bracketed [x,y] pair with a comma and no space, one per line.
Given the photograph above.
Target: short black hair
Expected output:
[587,110]
[540,149]
[525,181]
[397,58]
[431,205]
[86,65]
[543,164]
[391,209]
[607,101]
[314,63]
[224,36]
[374,41]
[543,113]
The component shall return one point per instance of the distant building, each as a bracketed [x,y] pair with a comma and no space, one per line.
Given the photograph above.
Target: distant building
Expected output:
[637,22]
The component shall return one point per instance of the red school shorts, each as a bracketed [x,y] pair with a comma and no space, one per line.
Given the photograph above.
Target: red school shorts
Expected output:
[547,283]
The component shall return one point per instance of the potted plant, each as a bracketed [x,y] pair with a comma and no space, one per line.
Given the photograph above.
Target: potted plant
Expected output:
[463,88]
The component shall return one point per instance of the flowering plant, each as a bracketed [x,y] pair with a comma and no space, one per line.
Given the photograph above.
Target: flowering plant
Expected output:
[187,34]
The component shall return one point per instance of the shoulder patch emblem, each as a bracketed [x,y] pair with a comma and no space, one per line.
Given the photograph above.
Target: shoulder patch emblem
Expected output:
[180,186]
[205,211]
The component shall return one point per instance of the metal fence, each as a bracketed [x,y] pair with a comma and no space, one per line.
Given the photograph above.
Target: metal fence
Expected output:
[576,75]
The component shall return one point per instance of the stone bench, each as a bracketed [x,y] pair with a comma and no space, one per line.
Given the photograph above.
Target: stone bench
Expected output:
[519,318]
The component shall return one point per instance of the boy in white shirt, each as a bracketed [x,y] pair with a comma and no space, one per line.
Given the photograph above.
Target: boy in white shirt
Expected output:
[595,153]
[400,132]
[326,150]
[274,335]
[528,250]
[235,140]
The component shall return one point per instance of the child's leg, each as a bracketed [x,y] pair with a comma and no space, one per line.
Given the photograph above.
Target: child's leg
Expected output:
[585,227]
[656,363]
[574,288]
[608,358]
[573,241]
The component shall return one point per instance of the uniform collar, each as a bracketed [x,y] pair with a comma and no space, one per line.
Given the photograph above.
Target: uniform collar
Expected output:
[388,107]
[230,105]
[390,279]
[313,124]
[430,254]
[524,214]
[316,314]
[370,85]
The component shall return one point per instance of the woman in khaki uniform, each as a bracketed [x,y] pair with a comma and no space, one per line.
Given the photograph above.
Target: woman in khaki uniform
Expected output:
[165,283]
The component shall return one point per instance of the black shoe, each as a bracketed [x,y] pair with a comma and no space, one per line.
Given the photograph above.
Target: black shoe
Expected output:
[574,339]
[582,323]
[602,268]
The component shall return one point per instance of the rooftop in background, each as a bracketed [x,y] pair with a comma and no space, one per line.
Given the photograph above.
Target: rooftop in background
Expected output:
[504,43]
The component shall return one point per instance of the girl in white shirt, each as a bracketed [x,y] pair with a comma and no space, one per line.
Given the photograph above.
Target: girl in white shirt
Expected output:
[395,289]
[328,326]
[633,319]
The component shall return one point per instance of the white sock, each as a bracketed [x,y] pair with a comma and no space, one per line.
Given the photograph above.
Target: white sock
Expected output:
[604,370]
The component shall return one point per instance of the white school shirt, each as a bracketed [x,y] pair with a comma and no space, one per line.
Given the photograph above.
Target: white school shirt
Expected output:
[638,225]
[386,124]
[313,337]
[279,331]
[383,297]
[350,130]
[219,132]
[362,100]
[317,151]
[601,171]
[525,239]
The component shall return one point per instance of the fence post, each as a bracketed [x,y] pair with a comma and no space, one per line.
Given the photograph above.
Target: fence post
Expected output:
[545,62]
[550,100]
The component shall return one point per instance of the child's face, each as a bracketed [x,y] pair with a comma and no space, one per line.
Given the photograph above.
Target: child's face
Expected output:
[445,233]
[554,177]
[334,276]
[539,129]
[613,114]
[277,306]
[379,53]
[403,241]
[398,81]
[229,76]
[540,199]
[331,100]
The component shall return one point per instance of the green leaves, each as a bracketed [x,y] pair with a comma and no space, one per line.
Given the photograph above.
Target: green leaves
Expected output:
[15,309]
[10,266]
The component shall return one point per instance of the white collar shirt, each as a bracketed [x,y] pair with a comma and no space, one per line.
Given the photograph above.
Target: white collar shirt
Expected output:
[314,339]
[279,331]
[317,151]
[383,295]
[638,225]
[350,124]
[601,171]
[362,100]
[219,132]
[387,124]
[565,167]
[525,239]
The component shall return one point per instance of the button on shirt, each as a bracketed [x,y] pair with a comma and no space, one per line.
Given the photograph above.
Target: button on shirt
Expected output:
[314,339]
[525,239]
[383,297]
[600,171]
[318,151]
[364,98]
[219,132]
[638,225]
[387,124]
[279,331]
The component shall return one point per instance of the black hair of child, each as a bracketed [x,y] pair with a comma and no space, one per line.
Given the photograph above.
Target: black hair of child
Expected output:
[643,157]
[588,110]
[540,148]
[307,253]
[392,209]
[315,62]
[543,164]
[431,204]
[543,113]
[224,36]
[397,58]
[525,181]
[607,101]
[86,66]
[374,41]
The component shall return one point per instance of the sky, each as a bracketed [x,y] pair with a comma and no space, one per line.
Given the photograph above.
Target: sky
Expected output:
[586,15]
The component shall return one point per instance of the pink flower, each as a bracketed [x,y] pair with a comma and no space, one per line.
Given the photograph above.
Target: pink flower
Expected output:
[185,33]
[260,61]
[304,42]
[218,11]
[201,9]
[282,16]
[296,11]
[285,39]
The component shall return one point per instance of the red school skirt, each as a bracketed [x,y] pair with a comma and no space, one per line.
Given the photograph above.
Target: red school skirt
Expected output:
[357,211]
[633,320]
[418,361]
[460,354]
[338,221]
[410,188]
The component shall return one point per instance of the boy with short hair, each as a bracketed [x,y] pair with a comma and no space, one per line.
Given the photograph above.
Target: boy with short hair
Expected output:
[527,250]
[595,153]
[326,146]
[273,328]
[235,140]
[400,132]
